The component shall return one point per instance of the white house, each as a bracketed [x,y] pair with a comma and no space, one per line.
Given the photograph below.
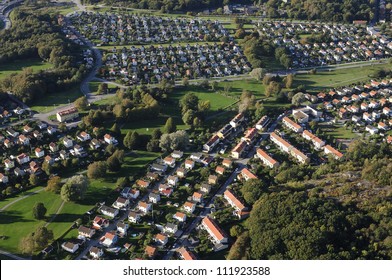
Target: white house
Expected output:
[121,203]
[109,211]
[70,247]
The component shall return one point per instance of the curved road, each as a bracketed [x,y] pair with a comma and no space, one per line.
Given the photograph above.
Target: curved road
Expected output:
[19,199]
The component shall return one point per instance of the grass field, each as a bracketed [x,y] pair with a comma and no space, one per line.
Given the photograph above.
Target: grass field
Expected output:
[326,80]
[339,132]
[17,66]
[47,104]
[17,221]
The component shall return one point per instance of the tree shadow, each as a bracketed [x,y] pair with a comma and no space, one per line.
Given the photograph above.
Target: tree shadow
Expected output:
[10,217]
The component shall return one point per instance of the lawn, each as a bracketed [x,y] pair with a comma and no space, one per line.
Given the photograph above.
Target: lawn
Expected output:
[95,85]
[8,200]
[17,66]
[326,80]
[55,99]
[339,132]
[18,221]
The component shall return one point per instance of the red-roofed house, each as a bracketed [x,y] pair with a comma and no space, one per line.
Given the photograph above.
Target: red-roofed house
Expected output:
[266,159]
[216,233]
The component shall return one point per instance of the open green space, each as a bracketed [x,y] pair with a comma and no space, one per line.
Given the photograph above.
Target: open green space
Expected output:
[55,99]
[95,85]
[17,66]
[339,132]
[9,200]
[336,78]
[17,221]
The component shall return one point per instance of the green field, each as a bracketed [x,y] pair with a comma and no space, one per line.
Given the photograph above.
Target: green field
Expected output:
[339,132]
[326,80]
[17,66]
[55,99]
[17,221]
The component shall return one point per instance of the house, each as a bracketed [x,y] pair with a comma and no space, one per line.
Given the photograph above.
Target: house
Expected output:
[39,152]
[238,150]
[86,231]
[205,188]
[34,168]
[152,176]
[330,150]
[247,174]
[19,172]
[78,150]
[158,167]
[109,239]
[161,239]
[371,129]
[23,140]
[171,228]
[211,143]
[292,125]
[235,122]
[110,139]
[387,111]
[83,136]
[27,129]
[186,254]
[298,155]
[389,139]
[262,123]
[12,132]
[382,126]
[181,172]
[121,203]
[122,228]
[109,211]
[317,142]
[68,143]
[8,143]
[212,179]
[134,217]
[197,197]
[227,163]
[177,154]
[96,252]
[144,207]
[68,114]
[189,207]
[142,183]
[250,136]
[70,247]
[53,147]
[216,233]
[94,144]
[22,158]
[189,164]
[225,131]
[220,170]
[3,178]
[169,161]
[172,180]
[179,216]
[151,251]
[300,116]
[342,113]
[100,223]
[9,163]
[240,208]
[154,197]
[266,159]
[367,117]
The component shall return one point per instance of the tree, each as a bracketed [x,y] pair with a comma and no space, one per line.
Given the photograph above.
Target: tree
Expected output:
[131,140]
[36,241]
[81,103]
[97,170]
[185,82]
[102,88]
[189,102]
[54,184]
[33,180]
[298,98]
[113,164]
[252,190]
[74,189]
[240,33]
[39,211]
[115,129]
[156,134]
[273,89]
[174,141]
[289,80]
[188,117]
[240,249]
[236,230]
[170,126]
[258,73]
[214,85]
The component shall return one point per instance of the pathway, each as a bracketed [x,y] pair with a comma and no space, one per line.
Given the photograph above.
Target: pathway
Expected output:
[55,214]
[10,255]
[19,199]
